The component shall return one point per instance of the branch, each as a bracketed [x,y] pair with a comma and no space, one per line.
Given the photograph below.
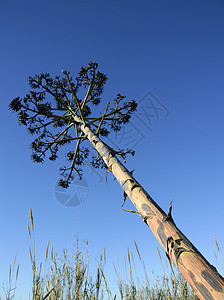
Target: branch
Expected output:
[75,97]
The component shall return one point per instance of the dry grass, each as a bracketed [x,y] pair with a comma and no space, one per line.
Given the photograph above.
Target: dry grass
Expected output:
[69,277]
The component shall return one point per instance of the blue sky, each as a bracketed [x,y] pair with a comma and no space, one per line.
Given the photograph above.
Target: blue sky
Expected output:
[173,49]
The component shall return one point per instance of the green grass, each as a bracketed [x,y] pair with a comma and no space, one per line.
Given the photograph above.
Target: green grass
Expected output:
[69,277]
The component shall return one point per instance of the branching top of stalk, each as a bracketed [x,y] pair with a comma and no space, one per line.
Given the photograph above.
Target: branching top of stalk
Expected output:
[50,109]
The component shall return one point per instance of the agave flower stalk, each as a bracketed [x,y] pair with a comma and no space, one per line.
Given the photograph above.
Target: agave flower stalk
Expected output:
[73,114]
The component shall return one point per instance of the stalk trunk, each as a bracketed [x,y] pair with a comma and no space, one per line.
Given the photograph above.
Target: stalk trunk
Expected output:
[202,276]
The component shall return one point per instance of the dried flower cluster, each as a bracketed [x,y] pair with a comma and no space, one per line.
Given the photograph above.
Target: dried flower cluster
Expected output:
[49,110]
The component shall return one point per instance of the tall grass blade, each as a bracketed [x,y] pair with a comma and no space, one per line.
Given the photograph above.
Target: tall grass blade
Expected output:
[31,219]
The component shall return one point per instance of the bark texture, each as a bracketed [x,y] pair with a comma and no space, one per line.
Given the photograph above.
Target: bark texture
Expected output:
[202,276]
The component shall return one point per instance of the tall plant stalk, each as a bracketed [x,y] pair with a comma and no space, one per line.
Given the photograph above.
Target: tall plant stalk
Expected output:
[202,276]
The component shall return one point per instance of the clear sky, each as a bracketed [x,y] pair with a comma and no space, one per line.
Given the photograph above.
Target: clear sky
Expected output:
[173,49]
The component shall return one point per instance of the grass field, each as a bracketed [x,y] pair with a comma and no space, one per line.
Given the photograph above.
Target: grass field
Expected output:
[70,277]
